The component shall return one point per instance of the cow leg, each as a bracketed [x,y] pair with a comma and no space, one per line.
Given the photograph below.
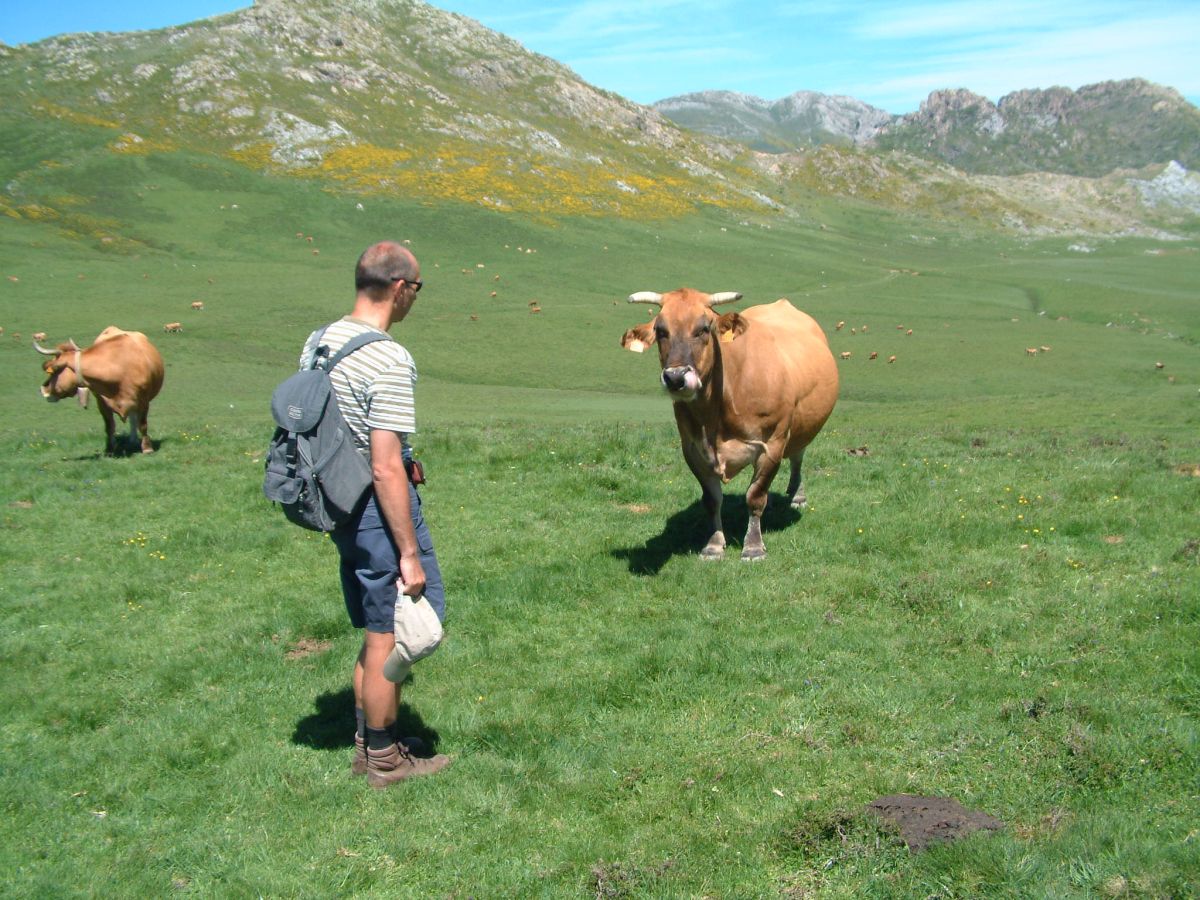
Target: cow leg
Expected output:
[710,487]
[110,437]
[795,488]
[756,502]
[138,426]
[715,548]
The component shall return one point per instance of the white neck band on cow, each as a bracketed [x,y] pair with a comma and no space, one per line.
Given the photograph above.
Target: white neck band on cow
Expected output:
[82,391]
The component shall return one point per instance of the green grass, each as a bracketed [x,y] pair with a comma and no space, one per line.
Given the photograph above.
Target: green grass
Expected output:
[946,619]
[998,603]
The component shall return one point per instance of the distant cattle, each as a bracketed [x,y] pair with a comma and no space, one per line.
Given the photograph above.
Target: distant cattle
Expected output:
[749,388]
[173,326]
[845,354]
[39,335]
[198,304]
[1031,351]
[122,368]
[873,355]
[891,359]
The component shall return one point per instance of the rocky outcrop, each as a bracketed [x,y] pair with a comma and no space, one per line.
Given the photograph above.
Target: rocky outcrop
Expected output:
[1174,187]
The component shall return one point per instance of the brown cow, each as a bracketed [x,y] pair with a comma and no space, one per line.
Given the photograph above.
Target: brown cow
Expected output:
[122,368]
[749,388]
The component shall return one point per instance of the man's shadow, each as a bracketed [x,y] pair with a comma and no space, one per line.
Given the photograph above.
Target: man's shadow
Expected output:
[685,532]
[331,727]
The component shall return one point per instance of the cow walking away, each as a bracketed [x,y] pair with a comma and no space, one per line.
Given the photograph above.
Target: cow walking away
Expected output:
[749,388]
[122,368]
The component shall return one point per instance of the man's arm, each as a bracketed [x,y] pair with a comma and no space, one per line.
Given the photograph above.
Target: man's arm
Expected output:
[391,494]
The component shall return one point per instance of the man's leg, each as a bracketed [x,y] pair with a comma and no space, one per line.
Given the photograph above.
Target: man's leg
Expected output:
[388,761]
[377,697]
[410,743]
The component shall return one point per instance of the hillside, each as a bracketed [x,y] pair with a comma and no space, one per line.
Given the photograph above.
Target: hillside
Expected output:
[457,112]
[462,114]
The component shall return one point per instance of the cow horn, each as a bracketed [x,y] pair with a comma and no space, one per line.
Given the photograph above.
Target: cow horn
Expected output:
[723,297]
[646,297]
[74,346]
[42,350]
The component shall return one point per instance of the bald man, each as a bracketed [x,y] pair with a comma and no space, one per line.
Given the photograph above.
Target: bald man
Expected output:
[386,543]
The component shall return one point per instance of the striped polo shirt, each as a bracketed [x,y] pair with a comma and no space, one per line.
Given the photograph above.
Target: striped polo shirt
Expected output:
[373,385]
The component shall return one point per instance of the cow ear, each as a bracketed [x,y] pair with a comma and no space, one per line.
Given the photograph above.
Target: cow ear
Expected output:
[639,337]
[729,326]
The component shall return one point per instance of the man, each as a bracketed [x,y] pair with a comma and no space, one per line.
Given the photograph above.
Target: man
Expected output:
[387,540]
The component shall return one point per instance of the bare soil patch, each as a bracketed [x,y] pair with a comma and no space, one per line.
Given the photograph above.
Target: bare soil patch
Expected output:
[931,820]
[307,647]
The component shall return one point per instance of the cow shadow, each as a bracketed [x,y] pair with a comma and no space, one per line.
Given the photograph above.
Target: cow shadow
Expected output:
[123,451]
[331,726]
[684,532]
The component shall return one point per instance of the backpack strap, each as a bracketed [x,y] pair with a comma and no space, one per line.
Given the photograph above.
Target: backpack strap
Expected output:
[359,340]
[320,355]
[290,454]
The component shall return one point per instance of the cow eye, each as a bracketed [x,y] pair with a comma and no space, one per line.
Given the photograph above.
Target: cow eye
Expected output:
[660,333]
[702,329]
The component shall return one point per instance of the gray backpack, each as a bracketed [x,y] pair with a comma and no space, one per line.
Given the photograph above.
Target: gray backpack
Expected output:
[313,469]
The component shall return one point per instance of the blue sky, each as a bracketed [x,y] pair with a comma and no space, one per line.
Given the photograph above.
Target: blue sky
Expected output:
[889,53]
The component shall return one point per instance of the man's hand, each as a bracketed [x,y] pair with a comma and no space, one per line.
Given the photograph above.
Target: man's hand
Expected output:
[412,576]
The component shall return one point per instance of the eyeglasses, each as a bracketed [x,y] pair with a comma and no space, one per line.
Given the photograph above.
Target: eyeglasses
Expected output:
[416,283]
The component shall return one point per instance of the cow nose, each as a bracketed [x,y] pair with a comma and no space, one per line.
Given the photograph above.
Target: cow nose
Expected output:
[675,378]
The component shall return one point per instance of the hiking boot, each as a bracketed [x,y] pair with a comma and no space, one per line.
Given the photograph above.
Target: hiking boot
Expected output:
[414,746]
[394,764]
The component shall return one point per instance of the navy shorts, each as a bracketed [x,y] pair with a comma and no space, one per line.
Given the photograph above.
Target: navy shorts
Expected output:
[370,566]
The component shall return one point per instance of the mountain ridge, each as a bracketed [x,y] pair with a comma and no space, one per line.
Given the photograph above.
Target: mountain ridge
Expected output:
[1088,132]
[804,117]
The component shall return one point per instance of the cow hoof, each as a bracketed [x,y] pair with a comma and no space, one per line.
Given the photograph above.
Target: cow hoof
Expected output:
[712,553]
[753,555]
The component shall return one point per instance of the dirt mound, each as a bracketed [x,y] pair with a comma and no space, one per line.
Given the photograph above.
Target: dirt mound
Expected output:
[928,820]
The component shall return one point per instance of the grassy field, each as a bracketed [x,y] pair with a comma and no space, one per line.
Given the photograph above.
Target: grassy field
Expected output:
[996,601]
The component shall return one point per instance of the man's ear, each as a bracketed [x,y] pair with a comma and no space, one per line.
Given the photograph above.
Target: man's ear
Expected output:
[730,325]
[639,337]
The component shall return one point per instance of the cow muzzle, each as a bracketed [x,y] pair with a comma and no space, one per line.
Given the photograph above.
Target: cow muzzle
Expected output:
[681,380]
